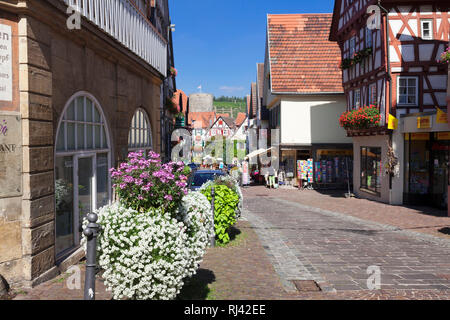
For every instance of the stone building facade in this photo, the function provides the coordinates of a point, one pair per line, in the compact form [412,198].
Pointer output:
[72,104]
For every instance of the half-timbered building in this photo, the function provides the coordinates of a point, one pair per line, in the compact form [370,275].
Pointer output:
[390,52]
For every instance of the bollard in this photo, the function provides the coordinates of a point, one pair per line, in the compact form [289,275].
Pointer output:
[91,233]
[213,236]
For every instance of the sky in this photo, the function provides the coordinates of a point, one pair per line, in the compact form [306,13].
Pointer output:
[217,43]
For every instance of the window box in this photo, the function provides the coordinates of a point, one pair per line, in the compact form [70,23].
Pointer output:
[361,118]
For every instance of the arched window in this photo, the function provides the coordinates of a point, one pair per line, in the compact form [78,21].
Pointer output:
[140,135]
[82,163]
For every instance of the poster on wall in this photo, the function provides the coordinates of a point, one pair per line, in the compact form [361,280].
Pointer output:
[10,156]
[6,78]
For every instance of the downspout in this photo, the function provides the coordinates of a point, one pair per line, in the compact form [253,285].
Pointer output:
[389,78]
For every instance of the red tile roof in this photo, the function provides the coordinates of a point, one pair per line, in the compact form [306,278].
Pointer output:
[302,59]
[240,119]
[205,118]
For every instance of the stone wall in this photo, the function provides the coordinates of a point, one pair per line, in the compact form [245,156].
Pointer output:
[53,64]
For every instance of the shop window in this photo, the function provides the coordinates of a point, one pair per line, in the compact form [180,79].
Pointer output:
[140,135]
[407,91]
[426,168]
[371,169]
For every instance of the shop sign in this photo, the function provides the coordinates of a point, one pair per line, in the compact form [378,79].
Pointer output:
[424,122]
[5,63]
[418,136]
[334,152]
[443,136]
[441,116]
[10,156]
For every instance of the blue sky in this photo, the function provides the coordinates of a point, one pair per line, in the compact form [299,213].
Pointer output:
[217,43]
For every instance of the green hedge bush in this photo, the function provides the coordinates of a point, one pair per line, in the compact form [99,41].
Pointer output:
[225,206]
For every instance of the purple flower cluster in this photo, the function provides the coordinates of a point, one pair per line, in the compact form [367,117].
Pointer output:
[144,182]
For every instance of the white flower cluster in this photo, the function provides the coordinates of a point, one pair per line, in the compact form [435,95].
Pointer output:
[147,255]
[196,213]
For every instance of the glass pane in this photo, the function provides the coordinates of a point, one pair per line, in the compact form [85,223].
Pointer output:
[80,109]
[402,82]
[89,111]
[64,203]
[104,141]
[70,113]
[70,136]
[96,115]
[97,137]
[60,139]
[402,99]
[90,136]
[102,180]
[419,166]
[411,82]
[133,137]
[80,136]
[412,99]
[84,187]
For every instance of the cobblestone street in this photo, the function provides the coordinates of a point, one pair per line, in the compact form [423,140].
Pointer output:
[335,249]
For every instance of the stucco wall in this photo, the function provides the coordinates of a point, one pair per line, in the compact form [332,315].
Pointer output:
[312,119]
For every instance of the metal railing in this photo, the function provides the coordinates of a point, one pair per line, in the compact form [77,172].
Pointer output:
[122,20]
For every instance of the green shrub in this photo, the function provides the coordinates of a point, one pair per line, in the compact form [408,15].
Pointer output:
[226,202]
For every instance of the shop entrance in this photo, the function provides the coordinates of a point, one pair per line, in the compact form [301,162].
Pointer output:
[426,170]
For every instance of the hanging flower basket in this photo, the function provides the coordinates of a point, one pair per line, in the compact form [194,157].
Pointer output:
[173,71]
[362,118]
[172,107]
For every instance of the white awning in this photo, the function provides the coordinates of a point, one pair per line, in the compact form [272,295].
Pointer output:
[258,152]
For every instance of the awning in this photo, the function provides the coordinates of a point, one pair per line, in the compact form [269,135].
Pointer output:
[258,152]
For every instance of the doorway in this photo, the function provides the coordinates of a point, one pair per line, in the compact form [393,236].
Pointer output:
[82,163]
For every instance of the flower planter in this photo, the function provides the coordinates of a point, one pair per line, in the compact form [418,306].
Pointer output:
[360,119]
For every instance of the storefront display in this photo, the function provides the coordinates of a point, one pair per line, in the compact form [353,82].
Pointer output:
[371,169]
[333,167]
[426,168]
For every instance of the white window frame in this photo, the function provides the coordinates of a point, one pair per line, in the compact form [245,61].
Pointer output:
[407,78]
[422,22]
